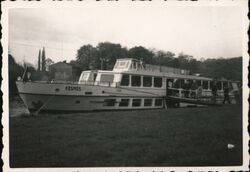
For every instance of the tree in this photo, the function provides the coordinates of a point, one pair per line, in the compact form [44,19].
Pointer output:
[193,66]
[141,53]
[184,60]
[76,70]
[15,70]
[230,68]
[86,56]
[43,60]
[164,58]
[107,53]
[48,62]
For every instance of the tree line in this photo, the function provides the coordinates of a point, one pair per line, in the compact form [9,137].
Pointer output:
[104,56]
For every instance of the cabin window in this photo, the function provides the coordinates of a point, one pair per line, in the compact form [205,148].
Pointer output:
[109,102]
[194,84]
[84,76]
[125,80]
[106,79]
[170,83]
[157,82]
[92,77]
[176,83]
[212,83]
[198,83]
[158,102]
[147,81]
[230,86]
[124,103]
[136,81]
[121,65]
[234,86]
[182,83]
[186,85]
[136,102]
[205,85]
[147,102]
[225,84]
[219,85]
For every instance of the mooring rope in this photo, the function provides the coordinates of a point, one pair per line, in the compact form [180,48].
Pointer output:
[35,113]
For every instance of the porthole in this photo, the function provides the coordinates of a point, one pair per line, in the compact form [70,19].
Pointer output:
[77,101]
[88,93]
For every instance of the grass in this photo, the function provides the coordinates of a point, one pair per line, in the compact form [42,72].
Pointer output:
[173,137]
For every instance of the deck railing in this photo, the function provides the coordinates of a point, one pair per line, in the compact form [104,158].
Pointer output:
[91,83]
[195,94]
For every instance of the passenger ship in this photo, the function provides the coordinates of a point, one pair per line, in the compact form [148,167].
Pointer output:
[130,85]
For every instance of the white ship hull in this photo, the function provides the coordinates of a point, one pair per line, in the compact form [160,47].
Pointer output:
[77,97]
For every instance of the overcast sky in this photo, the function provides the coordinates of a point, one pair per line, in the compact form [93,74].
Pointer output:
[207,32]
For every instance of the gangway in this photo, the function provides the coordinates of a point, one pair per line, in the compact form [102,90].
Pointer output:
[177,96]
[194,101]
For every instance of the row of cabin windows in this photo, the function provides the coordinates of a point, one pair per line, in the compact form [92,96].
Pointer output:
[135,102]
[194,84]
[145,81]
[148,81]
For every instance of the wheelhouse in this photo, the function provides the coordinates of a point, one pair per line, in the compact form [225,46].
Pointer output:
[88,77]
[128,65]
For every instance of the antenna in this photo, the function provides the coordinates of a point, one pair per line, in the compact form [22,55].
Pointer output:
[62,50]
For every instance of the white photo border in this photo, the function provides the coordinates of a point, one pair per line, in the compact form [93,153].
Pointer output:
[55,4]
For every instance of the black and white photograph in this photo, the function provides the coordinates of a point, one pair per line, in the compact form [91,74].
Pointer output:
[125,86]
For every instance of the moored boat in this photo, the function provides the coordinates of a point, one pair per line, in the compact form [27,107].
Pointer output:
[130,85]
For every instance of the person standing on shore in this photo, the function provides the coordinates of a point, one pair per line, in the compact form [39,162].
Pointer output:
[199,92]
[214,92]
[226,95]
[186,88]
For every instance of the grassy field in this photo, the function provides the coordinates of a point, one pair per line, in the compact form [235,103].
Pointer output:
[173,137]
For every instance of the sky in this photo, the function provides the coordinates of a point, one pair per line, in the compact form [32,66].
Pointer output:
[202,32]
